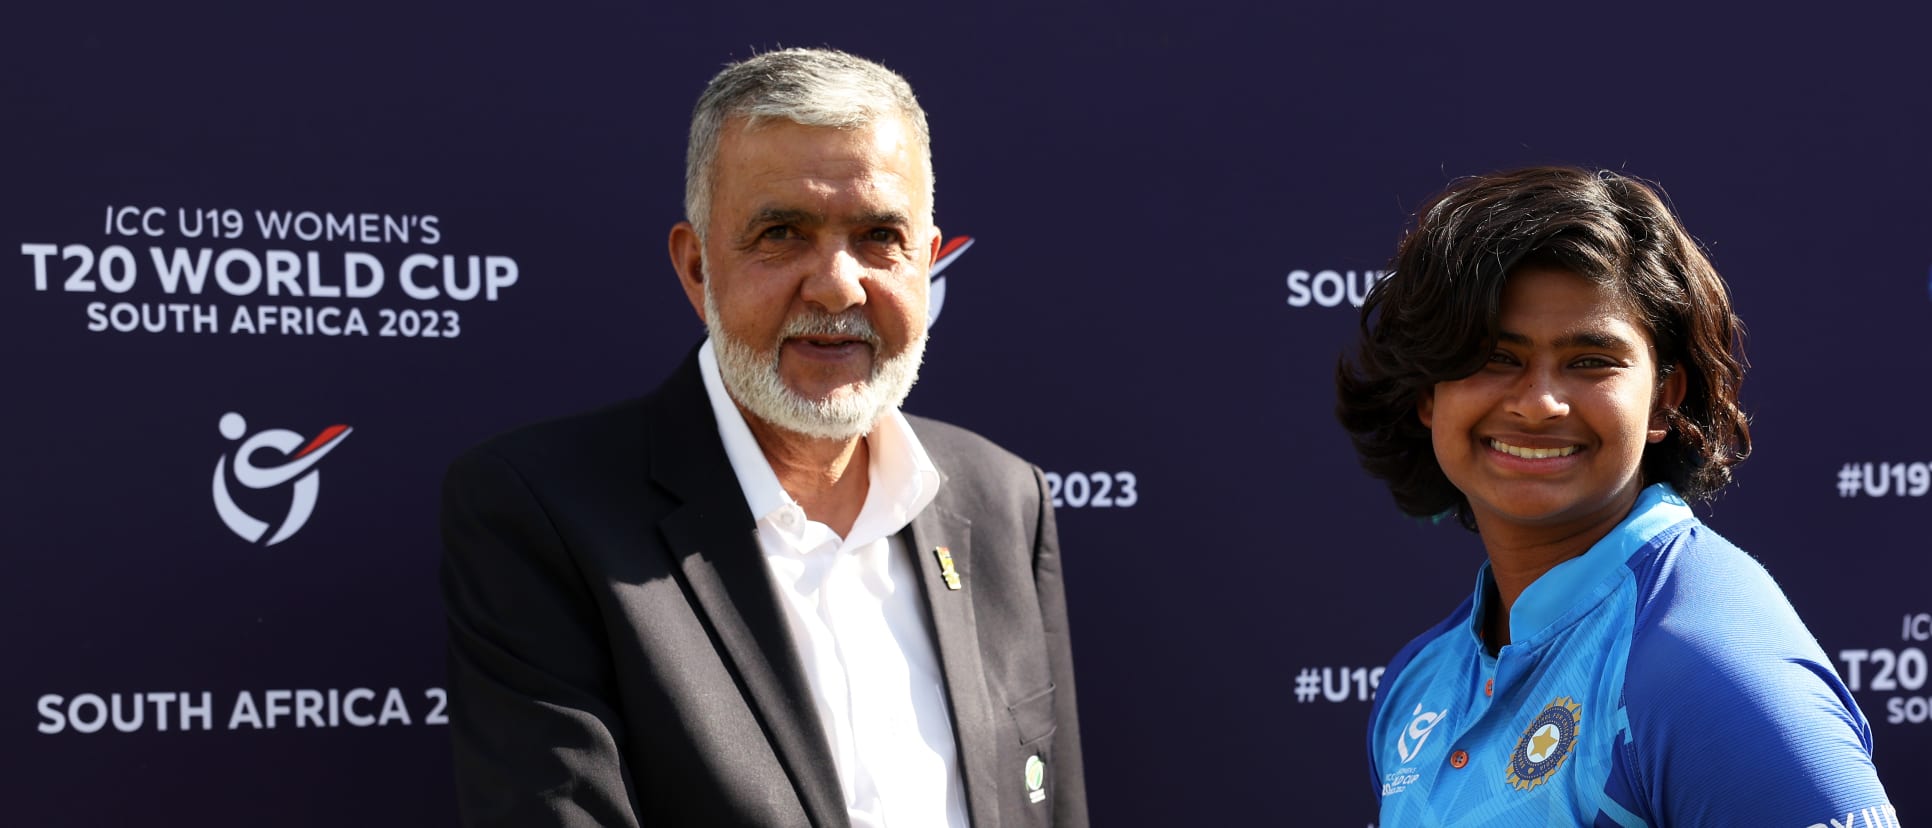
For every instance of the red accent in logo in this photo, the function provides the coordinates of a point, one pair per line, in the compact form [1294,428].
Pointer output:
[953,244]
[321,439]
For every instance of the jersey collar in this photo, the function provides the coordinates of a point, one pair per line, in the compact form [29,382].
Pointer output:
[1580,582]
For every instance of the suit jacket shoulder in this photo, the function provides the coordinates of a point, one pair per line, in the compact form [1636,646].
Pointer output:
[981,478]
[578,454]
[945,439]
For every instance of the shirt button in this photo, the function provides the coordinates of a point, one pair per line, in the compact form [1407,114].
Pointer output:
[1489,687]
[1459,759]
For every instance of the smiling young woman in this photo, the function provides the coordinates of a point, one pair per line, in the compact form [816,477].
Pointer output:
[1545,441]
[1553,363]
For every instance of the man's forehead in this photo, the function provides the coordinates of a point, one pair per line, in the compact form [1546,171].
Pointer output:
[778,164]
[887,143]
[893,126]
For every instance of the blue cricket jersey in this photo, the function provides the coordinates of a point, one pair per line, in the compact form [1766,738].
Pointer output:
[1660,679]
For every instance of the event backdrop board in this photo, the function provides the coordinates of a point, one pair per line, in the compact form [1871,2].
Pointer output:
[432,223]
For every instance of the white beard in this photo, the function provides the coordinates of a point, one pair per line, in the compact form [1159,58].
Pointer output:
[752,377]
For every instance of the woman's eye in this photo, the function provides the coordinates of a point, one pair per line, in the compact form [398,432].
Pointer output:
[1593,362]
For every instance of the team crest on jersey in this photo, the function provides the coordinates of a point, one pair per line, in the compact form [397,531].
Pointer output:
[1545,744]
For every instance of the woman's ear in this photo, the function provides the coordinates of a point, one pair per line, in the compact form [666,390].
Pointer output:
[1670,395]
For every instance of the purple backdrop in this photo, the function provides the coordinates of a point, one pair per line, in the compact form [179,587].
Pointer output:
[1172,208]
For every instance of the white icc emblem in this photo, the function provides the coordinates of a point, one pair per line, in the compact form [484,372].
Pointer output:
[301,460]
[1419,728]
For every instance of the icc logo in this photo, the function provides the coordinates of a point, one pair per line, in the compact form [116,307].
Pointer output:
[1419,729]
[936,298]
[298,466]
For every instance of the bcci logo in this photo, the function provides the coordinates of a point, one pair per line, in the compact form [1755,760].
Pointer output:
[1545,744]
[298,465]
[936,297]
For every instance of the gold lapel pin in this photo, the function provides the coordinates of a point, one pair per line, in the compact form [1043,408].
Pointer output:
[946,569]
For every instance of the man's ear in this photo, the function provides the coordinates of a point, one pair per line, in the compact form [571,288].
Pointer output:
[1425,407]
[1670,395]
[932,250]
[687,258]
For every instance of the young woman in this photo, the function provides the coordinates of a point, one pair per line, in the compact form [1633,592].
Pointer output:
[1553,363]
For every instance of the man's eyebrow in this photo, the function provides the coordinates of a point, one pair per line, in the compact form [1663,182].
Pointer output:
[1585,339]
[806,218]
[889,218]
[782,215]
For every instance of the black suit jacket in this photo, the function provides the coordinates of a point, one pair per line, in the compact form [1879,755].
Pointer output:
[617,655]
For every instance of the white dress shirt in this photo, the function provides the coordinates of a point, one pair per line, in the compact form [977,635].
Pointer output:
[855,609]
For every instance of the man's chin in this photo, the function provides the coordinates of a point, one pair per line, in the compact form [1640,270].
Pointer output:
[822,397]
[820,383]
[845,413]
[827,428]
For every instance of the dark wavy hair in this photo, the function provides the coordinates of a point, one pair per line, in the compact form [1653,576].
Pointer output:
[1434,319]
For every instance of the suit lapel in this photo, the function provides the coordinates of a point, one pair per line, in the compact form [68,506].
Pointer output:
[958,635]
[714,539]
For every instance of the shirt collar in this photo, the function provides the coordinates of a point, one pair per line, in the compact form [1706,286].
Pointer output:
[904,480]
[903,477]
[1577,580]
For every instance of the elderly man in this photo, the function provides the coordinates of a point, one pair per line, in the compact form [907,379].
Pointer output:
[762,595]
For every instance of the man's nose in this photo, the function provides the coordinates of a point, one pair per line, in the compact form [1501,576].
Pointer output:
[835,281]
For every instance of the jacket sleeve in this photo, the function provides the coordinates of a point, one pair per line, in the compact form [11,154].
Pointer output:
[1069,779]
[536,739]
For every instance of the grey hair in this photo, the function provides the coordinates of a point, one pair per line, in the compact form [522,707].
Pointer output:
[812,87]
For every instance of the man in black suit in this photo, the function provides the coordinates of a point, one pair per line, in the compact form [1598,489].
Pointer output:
[762,595]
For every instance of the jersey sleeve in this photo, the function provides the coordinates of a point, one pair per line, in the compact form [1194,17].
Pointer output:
[1735,715]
